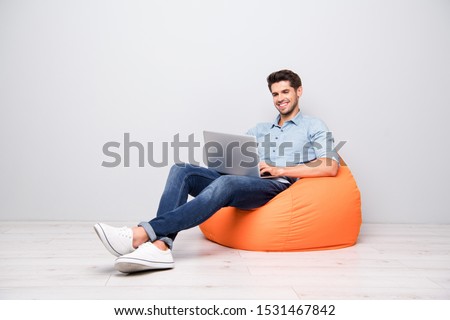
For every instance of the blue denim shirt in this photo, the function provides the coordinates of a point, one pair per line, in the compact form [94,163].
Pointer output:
[299,140]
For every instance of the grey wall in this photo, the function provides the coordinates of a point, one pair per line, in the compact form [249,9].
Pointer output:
[77,74]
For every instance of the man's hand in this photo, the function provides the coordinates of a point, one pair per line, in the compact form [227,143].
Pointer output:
[322,167]
[265,170]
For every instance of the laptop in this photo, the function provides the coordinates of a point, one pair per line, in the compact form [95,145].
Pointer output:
[232,154]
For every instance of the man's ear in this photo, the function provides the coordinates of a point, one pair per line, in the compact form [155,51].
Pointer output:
[299,91]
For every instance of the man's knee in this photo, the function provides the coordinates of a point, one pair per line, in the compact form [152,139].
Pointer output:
[181,166]
[182,169]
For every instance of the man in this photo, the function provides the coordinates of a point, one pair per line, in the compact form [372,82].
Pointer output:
[294,146]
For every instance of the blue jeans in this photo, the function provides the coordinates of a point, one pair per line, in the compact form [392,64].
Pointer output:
[211,191]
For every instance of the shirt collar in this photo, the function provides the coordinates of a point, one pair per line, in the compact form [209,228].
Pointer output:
[296,120]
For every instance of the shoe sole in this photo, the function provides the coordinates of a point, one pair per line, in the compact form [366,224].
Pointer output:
[104,239]
[130,265]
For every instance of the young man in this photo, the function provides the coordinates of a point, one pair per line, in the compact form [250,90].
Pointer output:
[293,146]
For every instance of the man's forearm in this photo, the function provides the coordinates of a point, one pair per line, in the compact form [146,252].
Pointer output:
[323,167]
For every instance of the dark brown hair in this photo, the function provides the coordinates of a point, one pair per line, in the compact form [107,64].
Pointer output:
[284,75]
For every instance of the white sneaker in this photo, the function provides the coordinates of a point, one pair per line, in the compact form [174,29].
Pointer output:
[118,241]
[146,257]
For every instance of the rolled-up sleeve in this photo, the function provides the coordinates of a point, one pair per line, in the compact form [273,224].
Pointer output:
[251,132]
[322,141]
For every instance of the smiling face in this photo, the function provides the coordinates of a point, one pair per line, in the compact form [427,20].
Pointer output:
[285,99]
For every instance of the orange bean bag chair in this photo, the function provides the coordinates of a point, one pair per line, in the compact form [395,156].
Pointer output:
[313,214]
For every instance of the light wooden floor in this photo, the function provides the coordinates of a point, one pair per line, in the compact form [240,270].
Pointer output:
[65,260]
